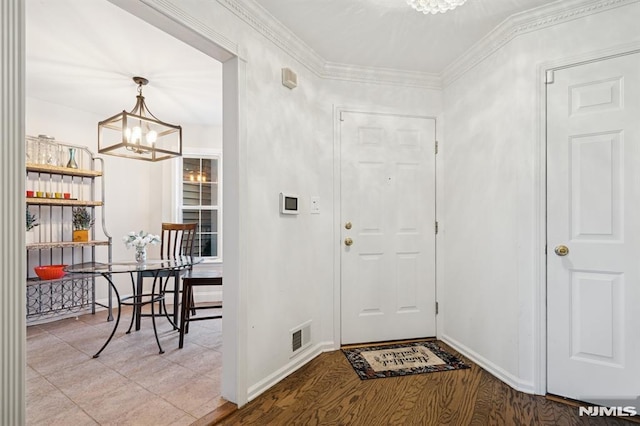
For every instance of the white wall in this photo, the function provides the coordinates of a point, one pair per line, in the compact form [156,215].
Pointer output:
[290,259]
[490,206]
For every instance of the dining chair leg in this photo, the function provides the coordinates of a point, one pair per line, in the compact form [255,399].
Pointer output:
[189,281]
[153,314]
[176,300]
[184,312]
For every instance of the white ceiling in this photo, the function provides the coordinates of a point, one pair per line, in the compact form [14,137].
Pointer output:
[83,53]
[389,33]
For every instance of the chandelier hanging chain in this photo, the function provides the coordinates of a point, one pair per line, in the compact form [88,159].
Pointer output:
[141,107]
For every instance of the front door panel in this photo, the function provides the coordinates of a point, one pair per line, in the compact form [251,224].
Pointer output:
[388,197]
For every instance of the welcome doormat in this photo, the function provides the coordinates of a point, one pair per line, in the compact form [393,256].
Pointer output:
[374,362]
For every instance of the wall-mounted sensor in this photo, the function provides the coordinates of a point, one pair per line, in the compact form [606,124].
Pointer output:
[289,78]
[289,203]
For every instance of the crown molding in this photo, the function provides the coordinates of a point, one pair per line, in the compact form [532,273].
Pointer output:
[523,23]
[264,23]
[258,18]
[394,77]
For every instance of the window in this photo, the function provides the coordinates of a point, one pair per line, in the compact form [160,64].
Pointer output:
[200,202]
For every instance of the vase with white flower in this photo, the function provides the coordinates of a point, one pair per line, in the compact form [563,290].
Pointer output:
[140,240]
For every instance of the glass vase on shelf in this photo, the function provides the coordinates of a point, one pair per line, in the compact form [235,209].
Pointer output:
[48,150]
[72,159]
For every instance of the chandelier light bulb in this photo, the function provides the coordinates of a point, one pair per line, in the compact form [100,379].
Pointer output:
[435,6]
[136,134]
[152,137]
[132,135]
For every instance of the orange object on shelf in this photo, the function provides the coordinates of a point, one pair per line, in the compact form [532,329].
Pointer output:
[81,235]
[50,272]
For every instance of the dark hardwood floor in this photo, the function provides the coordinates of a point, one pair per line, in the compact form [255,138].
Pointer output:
[328,392]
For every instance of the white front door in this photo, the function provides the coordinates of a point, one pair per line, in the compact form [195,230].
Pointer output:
[388,213]
[593,206]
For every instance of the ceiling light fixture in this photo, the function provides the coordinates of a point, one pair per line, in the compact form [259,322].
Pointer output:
[139,134]
[434,6]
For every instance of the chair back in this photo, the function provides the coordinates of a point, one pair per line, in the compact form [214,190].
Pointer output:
[177,239]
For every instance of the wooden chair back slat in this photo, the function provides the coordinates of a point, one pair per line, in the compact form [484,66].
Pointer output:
[177,239]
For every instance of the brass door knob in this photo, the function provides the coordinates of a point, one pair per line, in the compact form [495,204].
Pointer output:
[347,225]
[348,241]
[561,250]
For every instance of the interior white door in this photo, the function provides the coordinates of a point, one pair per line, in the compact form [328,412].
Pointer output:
[388,217]
[593,190]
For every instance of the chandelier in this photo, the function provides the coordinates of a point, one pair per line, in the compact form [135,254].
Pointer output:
[434,6]
[139,134]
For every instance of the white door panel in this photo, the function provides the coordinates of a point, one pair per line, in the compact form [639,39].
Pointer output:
[388,196]
[593,190]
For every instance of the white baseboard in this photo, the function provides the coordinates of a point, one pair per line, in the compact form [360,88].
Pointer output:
[496,371]
[295,363]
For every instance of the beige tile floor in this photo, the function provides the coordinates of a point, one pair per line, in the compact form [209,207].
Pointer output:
[130,383]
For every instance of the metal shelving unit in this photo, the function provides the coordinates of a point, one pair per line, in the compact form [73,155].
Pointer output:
[73,293]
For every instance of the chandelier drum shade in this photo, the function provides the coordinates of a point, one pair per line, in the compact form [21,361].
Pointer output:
[435,6]
[138,134]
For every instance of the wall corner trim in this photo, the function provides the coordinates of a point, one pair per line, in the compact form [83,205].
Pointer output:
[297,362]
[12,235]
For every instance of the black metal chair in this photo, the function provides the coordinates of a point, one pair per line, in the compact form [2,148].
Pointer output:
[191,279]
[177,239]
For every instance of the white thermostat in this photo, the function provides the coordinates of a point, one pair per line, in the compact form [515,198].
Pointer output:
[289,203]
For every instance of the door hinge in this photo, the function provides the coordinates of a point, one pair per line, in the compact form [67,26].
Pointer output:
[341,117]
[436,148]
[437,308]
[549,77]
[436,226]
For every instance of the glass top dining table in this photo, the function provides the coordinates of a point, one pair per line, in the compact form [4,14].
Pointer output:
[151,267]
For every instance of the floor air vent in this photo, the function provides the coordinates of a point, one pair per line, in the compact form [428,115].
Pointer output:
[296,341]
[300,337]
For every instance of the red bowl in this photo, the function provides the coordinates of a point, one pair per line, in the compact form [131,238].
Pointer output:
[50,272]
